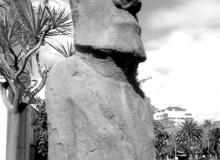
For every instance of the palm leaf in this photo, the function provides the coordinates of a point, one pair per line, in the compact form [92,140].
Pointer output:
[60,21]
[189,135]
[2,5]
[30,72]
[26,14]
[65,51]
[7,3]
[35,22]
[9,33]
[41,19]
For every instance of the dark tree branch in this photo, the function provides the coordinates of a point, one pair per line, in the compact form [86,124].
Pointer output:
[38,65]
[40,86]
[21,52]
[30,97]
[29,54]
[15,58]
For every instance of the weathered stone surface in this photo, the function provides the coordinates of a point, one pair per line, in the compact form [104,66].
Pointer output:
[94,117]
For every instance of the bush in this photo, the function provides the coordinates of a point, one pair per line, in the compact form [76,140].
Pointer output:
[40,127]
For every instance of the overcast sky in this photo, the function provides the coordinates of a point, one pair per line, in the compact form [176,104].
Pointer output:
[182,42]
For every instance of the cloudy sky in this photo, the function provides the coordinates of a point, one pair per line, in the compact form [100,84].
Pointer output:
[182,41]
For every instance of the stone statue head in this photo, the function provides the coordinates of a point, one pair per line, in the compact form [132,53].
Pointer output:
[110,26]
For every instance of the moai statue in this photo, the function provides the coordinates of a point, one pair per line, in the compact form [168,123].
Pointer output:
[96,110]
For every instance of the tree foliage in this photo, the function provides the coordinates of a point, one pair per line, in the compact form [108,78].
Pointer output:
[23,30]
[189,137]
[40,127]
[214,135]
[161,140]
[22,35]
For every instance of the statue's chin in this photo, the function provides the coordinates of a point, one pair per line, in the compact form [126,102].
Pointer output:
[128,50]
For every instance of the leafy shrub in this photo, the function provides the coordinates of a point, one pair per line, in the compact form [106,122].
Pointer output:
[40,127]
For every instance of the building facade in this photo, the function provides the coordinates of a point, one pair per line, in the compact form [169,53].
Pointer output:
[216,124]
[173,113]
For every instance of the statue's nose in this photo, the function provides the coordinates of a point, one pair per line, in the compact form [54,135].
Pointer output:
[132,6]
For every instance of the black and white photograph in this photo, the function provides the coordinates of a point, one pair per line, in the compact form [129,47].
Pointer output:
[110,79]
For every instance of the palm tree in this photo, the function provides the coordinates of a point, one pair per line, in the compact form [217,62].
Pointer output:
[189,137]
[208,123]
[21,36]
[207,129]
[213,135]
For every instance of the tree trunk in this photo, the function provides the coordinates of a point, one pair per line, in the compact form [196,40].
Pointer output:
[13,127]
[12,135]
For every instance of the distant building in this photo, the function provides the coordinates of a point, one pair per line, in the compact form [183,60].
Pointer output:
[216,124]
[173,113]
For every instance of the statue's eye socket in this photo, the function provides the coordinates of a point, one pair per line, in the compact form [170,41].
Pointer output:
[133,6]
[117,3]
[124,2]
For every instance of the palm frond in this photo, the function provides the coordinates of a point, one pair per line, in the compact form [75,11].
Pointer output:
[41,19]
[190,134]
[7,3]
[9,32]
[26,15]
[65,51]
[2,5]
[36,21]
[60,21]
[30,72]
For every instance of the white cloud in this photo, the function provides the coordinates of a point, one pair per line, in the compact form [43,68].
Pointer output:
[192,58]
[193,13]
[53,3]
[184,64]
